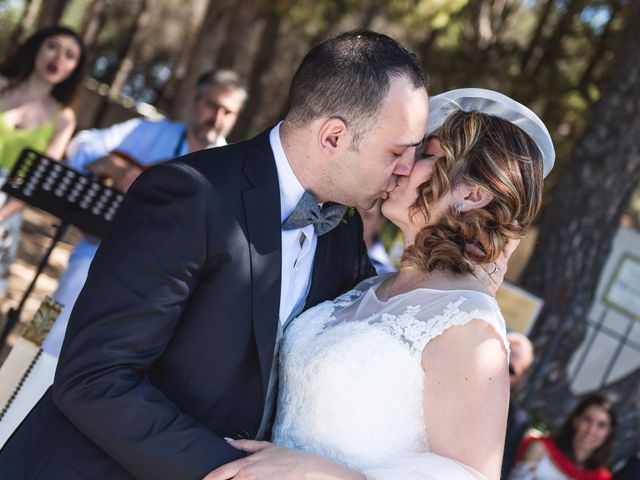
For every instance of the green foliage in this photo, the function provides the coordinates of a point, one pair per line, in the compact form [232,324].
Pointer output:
[419,15]
[10,13]
[634,208]
[392,239]
[541,422]
[74,14]
[312,15]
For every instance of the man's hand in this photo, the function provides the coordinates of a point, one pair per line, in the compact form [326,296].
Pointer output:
[117,170]
[127,178]
[491,275]
[10,207]
[271,462]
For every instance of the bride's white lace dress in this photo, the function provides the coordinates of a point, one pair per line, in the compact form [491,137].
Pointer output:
[352,383]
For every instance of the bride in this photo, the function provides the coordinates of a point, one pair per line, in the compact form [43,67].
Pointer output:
[405,376]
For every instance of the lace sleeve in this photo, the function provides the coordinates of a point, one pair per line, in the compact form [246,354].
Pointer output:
[423,315]
[459,310]
[423,466]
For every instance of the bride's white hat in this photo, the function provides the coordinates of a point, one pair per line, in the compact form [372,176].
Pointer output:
[499,105]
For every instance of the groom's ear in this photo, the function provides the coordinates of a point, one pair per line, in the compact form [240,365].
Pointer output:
[333,135]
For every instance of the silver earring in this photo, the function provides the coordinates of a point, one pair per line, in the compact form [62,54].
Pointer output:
[458,207]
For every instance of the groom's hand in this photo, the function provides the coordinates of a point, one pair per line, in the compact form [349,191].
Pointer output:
[491,275]
[271,462]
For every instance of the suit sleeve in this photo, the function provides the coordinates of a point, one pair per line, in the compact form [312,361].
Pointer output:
[137,289]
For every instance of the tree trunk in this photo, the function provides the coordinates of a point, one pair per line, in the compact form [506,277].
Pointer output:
[132,49]
[369,15]
[263,59]
[425,47]
[598,53]
[50,13]
[242,15]
[537,34]
[202,57]
[29,15]
[332,12]
[484,26]
[552,47]
[502,11]
[179,68]
[93,21]
[578,226]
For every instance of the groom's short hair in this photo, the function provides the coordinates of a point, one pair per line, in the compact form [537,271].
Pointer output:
[349,76]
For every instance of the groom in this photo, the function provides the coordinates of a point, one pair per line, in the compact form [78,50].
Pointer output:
[172,345]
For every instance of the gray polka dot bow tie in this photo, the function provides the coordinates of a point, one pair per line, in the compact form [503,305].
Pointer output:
[308,212]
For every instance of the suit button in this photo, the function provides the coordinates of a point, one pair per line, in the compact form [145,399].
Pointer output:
[242,435]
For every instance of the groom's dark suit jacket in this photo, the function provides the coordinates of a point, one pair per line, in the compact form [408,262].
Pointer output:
[170,345]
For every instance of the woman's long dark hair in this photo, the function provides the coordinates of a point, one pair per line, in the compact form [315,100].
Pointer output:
[563,438]
[20,63]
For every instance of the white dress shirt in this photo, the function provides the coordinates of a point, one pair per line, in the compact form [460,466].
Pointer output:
[299,245]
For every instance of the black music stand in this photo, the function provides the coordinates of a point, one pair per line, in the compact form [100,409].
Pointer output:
[75,197]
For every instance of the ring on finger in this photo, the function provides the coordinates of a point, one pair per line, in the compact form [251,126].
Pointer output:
[495,270]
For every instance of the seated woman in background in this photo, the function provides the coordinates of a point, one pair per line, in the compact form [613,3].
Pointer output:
[580,449]
[37,83]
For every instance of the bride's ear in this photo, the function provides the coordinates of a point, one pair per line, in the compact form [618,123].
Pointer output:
[471,197]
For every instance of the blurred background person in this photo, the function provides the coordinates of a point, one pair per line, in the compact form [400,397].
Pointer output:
[520,359]
[372,223]
[38,81]
[121,152]
[580,449]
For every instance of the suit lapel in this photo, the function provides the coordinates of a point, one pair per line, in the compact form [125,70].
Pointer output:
[262,211]
[322,271]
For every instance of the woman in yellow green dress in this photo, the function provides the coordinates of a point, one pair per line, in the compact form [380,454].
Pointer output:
[37,83]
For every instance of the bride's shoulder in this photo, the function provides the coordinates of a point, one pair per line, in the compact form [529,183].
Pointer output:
[484,307]
[481,301]
[475,313]
[456,305]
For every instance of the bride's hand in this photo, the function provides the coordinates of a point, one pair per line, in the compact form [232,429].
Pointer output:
[491,275]
[272,462]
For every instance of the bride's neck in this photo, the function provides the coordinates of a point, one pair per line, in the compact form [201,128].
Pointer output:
[409,278]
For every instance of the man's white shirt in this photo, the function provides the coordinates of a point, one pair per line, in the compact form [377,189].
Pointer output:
[299,245]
